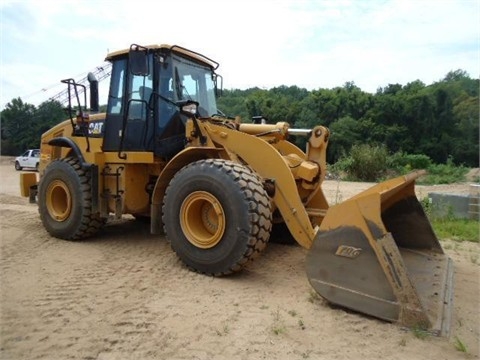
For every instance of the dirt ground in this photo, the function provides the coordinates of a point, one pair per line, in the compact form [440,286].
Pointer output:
[125,295]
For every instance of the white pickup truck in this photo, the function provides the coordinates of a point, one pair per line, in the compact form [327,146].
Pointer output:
[29,159]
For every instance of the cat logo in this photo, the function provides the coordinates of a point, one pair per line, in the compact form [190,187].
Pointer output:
[95,128]
[348,251]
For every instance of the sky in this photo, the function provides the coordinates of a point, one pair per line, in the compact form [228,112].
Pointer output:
[259,43]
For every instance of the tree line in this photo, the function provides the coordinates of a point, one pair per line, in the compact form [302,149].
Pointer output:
[440,120]
[23,124]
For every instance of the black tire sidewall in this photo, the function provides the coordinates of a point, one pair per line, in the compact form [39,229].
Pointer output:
[17,166]
[233,245]
[61,170]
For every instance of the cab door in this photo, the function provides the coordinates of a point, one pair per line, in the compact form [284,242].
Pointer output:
[115,106]
[129,118]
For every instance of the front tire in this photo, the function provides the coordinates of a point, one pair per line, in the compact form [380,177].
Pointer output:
[17,166]
[65,201]
[217,216]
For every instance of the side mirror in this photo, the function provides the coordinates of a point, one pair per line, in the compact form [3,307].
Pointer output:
[188,107]
[138,60]
[218,87]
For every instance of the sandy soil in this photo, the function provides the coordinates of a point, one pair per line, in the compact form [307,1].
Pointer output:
[125,295]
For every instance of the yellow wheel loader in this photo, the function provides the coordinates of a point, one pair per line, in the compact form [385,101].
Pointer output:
[214,186]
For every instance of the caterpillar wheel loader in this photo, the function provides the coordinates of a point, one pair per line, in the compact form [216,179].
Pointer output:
[214,186]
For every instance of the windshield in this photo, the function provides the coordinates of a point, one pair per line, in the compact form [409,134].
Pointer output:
[194,82]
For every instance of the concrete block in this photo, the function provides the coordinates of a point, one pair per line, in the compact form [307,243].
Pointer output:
[474,204]
[449,205]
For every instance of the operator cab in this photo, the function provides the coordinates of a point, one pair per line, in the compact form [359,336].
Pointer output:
[148,87]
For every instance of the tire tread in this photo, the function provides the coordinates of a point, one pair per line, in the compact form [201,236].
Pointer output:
[255,196]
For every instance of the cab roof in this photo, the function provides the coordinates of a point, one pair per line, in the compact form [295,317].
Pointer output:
[175,48]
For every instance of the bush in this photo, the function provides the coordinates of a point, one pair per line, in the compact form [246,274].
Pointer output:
[372,163]
[404,163]
[444,174]
[366,162]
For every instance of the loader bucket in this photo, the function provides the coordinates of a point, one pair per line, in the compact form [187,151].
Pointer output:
[377,254]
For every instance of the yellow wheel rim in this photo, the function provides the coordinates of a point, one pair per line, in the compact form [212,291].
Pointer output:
[58,200]
[202,219]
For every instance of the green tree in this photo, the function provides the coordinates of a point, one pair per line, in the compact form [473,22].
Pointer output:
[233,103]
[23,124]
[345,133]
[48,114]
[439,120]
[18,128]
[466,128]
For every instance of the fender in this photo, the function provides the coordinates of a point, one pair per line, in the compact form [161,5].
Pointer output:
[92,168]
[69,143]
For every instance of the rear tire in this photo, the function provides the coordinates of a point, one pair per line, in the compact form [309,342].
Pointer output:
[65,201]
[217,216]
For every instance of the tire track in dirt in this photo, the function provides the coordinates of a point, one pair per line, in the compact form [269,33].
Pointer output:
[108,272]
[127,288]
[125,295]
[20,222]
